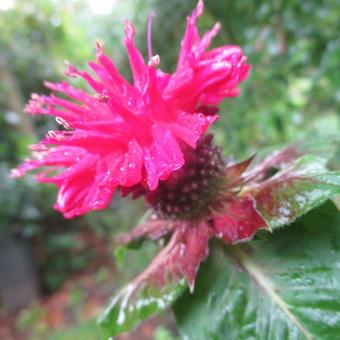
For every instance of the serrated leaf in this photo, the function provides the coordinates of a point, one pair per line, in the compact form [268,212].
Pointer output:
[134,304]
[283,201]
[282,286]
[149,293]
[160,284]
[294,190]
[288,182]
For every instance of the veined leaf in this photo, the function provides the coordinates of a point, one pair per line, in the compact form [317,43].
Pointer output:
[171,271]
[282,200]
[135,303]
[287,183]
[280,286]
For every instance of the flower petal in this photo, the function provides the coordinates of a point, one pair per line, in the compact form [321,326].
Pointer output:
[138,66]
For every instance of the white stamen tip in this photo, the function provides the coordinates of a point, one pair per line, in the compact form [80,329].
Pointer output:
[154,61]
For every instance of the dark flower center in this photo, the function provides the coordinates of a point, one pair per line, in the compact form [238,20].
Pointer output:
[190,192]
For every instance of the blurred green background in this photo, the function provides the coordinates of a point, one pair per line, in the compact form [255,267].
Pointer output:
[292,93]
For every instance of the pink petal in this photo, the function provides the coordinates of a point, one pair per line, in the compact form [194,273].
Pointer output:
[162,157]
[139,69]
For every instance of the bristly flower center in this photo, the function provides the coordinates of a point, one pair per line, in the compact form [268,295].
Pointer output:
[190,193]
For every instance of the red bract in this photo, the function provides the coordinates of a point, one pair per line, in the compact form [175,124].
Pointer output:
[205,77]
[204,199]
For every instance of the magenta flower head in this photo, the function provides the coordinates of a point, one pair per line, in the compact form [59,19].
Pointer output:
[124,136]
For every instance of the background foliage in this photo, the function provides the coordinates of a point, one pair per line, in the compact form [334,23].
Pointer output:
[293,92]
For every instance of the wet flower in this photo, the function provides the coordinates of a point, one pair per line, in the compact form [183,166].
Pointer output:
[149,138]
[118,136]
[130,136]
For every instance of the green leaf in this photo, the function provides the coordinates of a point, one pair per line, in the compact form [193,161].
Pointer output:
[286,183]
[137,302]
[283,202]
[280,286]
[295,191]
[151,292]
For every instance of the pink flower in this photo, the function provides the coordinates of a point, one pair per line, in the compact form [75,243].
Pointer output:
[204,77]
[130,136]
[119,136]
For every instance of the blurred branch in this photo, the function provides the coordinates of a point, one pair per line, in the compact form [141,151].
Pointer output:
[14,98]
[279,8]
[281,35]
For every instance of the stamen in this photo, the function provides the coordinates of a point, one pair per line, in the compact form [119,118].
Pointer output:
[63,122]
[149,38]
[52,134]
[154,61]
